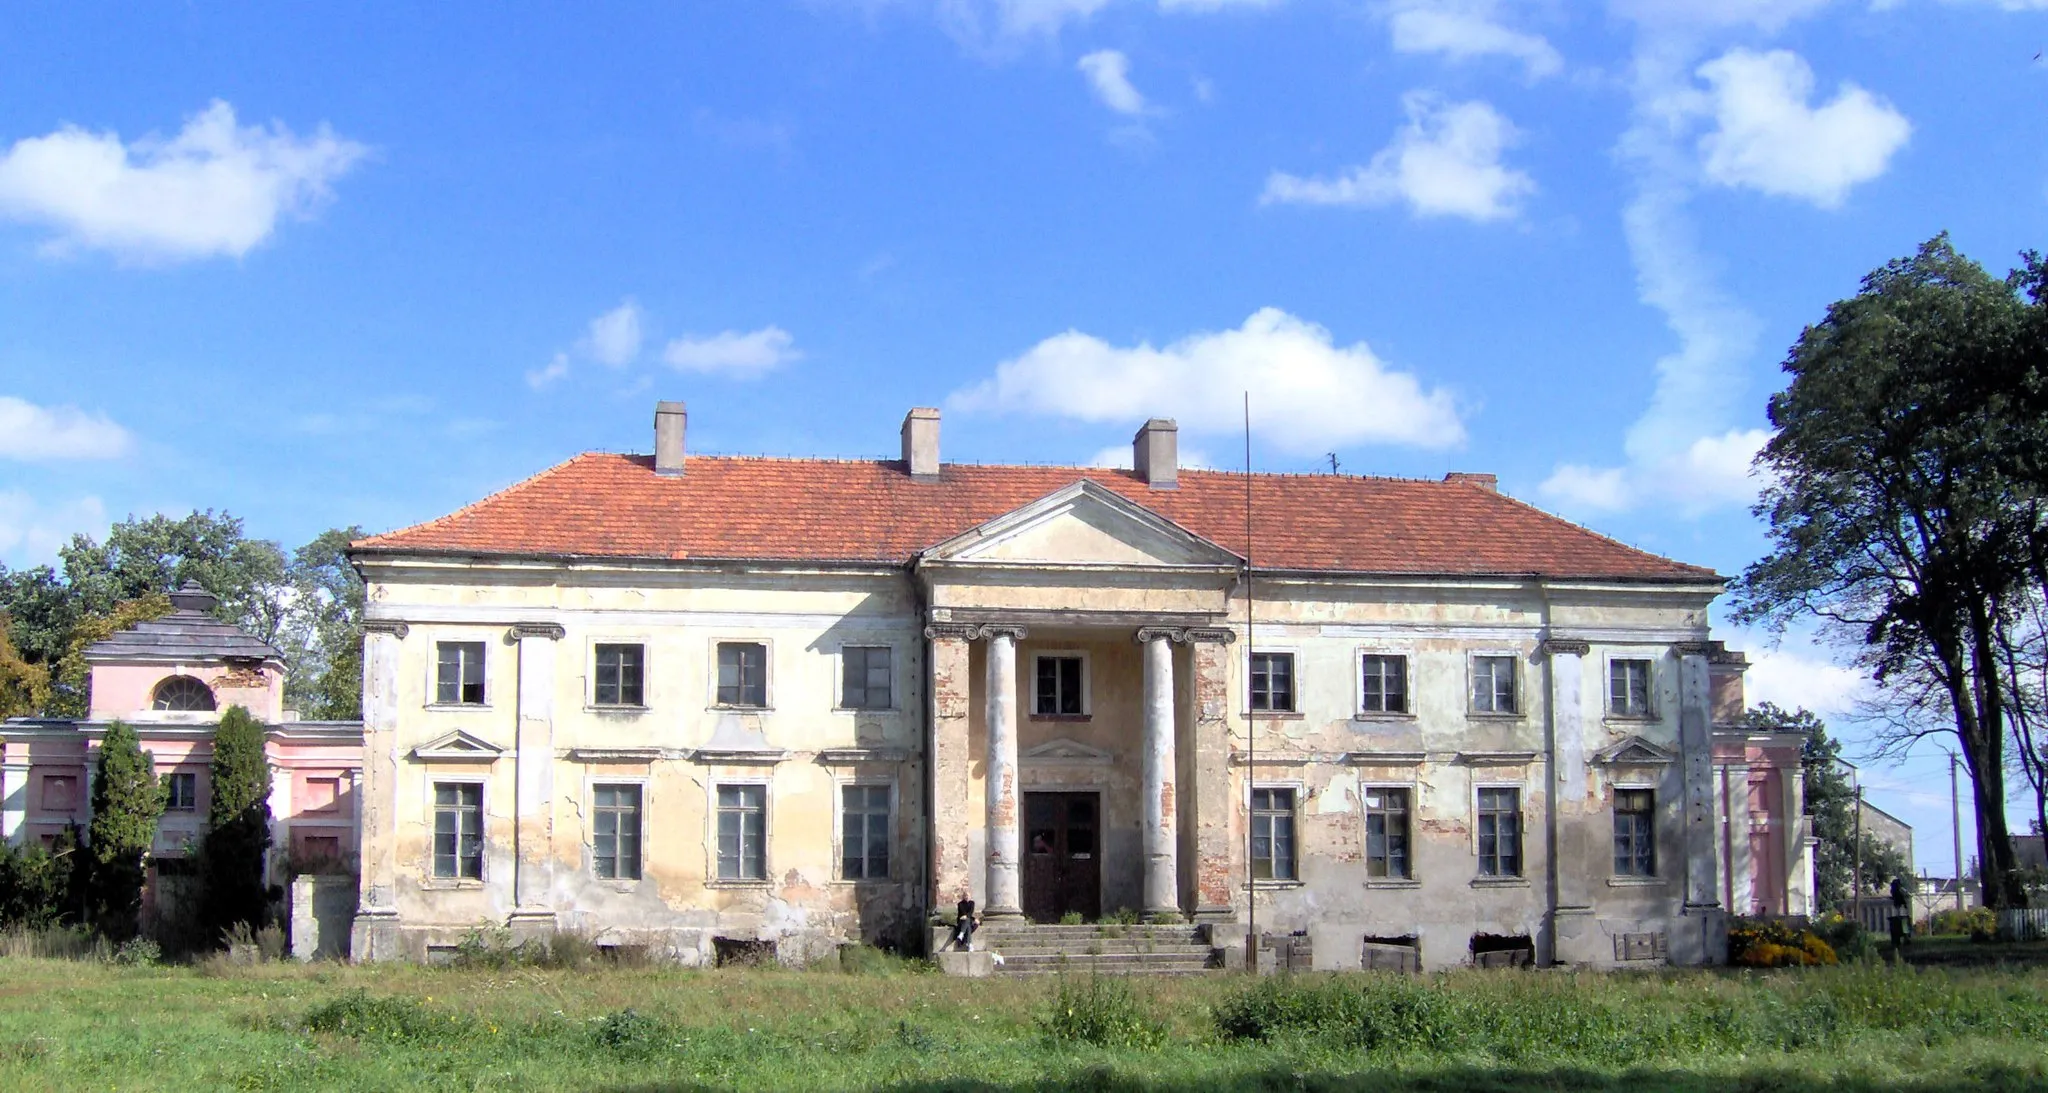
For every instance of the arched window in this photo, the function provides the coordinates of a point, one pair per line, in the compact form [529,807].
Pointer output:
[183,693]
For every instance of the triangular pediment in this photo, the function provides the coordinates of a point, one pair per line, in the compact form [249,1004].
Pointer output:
[1636,752]
[457,747]
[1085,524]
[1064,752]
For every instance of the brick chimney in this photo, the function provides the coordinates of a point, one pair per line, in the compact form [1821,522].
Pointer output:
[1155,453]
[669,418]
[921,444]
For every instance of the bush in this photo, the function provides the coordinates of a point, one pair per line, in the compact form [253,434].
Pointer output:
[35,884]
[630,1032]
[1105,1012]
[238,835]
[359,1016]
[126,802]
[139,952]
[1970,920]
[1768,944]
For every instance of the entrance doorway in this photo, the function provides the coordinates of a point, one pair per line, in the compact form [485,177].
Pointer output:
[1062,855]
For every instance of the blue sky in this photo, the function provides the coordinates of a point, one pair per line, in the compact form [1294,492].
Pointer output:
[364,269]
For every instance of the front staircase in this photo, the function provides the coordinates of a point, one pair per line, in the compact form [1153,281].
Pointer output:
[1031,949]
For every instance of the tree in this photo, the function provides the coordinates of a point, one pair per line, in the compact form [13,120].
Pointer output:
[239,833]
[127,801]
[1894,517]
[1831,804]
[24,687]
[325,638]
[70,693]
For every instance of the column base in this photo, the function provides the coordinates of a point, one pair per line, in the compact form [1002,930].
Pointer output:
[374,937]
[1003,913]
[1215,914]
[530,923]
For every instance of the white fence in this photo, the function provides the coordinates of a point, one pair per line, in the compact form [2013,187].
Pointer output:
[2023,925]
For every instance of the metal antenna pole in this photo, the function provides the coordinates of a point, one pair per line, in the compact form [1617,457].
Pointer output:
[1251,724]
[1857,853]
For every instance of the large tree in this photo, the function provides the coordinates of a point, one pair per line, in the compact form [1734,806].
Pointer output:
[324,639]
[1894,517]
[127,801]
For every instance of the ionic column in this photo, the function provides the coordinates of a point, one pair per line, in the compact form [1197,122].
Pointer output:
[1162,861]
[1004,887]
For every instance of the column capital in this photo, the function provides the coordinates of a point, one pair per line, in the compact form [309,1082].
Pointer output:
[550,630]
[1693,648]
[1560,646]
[1160,633]
[393,627]
[1000,630]
[950,631]
[1210,635]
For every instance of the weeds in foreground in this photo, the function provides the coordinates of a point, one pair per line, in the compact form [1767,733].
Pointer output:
[1102,1010]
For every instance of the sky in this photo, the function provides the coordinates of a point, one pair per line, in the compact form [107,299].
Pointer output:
[362,267]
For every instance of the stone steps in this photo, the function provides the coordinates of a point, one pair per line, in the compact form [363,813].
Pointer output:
[1029,949]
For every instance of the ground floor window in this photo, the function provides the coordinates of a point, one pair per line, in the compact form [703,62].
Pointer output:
[1386,833]
[742,832]
[459,830]
[615,835]
[1273,834]
[1500,832]
[1635,842]
[864,824]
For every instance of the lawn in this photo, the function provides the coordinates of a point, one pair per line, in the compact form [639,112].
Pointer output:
[100,1026]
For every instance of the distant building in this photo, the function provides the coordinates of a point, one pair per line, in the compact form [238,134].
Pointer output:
[1889,830]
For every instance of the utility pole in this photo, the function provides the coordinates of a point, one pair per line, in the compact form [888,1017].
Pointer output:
[1856,855]
[1955,825]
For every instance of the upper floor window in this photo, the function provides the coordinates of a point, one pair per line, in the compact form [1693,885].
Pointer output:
[181,791]
[459,830]
[742,673]
[1059,687]
[1500,832]
[459,673]
[1273,682]
[1635,841]
[1493,684]
[615,832]
[1273,834]
[865,677]
[1628,688]
[1385,684]
[620,675]
[182,693]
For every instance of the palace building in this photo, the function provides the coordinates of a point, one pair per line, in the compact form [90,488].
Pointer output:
[713,704]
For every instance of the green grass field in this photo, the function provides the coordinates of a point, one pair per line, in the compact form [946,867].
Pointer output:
[97,1026]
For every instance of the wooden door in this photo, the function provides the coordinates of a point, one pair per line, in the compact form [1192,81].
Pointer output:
[1062,855]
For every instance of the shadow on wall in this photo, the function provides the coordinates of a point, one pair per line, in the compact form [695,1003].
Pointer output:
[1101,1079]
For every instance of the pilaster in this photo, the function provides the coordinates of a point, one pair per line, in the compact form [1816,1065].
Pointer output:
[1573,856]
[375,933]
[1702,880]
[951,687]
[533,764]
[1214,801]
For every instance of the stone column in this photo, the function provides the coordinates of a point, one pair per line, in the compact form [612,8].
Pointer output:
[1005,884]
[374,935]
[13,801]
[533,765]
[952,879]
[1162,835]
[1574,859]
[1215,802]
[1695,737]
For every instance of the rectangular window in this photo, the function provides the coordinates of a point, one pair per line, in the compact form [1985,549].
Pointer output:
[866,678]
[459,830]
[1385,687]
[742,832]
[1635,833]
[1386,833]
[459,673]
[181,791]
[864,825]
[621,671]
[1500,832]
[615,832]
[1493,684]
[1273,834]
[1059,687]
[1273,682]
[1628,688]
[742,673]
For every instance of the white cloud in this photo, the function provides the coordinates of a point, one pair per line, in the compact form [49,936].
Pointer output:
[1768,138]
[1682,16]
[614,338]
[1708,473]
[1308,394]
[1108,73]
[1465,29]
[981,22]
[1444,162]
[1792,679]
[538,378]
[217,188]
[1119,457]
[731,353]
[32,432]
[30,533]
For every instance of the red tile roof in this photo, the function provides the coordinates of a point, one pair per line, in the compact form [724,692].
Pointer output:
[746,508]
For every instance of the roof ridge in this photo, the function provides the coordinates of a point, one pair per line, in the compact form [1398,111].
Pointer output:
[1576,526]
[880,460]
[478,503]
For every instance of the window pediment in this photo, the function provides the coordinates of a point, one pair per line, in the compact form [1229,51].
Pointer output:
[1635,752]
[457,747]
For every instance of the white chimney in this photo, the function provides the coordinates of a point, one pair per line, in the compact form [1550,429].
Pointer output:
[921,444]
[669,418]
[1155,453]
